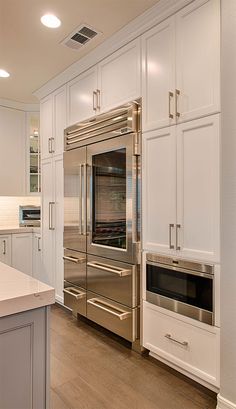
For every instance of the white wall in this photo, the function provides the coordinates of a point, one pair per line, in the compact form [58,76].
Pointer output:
[228,216]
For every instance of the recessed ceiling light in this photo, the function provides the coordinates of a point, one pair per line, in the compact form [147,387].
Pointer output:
[4,74]
[49,20]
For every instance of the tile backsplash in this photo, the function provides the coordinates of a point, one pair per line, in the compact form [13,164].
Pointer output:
[9,208]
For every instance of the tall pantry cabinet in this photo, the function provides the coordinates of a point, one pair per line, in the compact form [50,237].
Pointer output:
[53,123]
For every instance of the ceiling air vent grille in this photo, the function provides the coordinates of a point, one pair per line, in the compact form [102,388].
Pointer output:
[80,36]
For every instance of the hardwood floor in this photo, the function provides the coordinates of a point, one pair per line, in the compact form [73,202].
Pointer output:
[90,369]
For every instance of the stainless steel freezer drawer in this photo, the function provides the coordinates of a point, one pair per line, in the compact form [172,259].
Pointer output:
[75,298]
[75,267]
[113,279]
[115,317]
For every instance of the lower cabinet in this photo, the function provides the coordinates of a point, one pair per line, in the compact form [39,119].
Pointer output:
[22,252]
[5,249]
[24,346]
[192,349]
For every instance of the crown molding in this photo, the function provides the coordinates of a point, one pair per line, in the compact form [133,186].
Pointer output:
[7,103]
[159,12]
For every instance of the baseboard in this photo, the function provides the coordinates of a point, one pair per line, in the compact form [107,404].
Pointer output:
[223,403]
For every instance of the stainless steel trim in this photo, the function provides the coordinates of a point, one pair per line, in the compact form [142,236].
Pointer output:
[74,292]
[39,248]
[178,226]
[177,93]
[4,247]
[171,116]
[105,306]
[183,343]
[181,263]
[94,96]
[98,99]
[74,259]
[51,204]
[110,269]
[183,270]
[171,246]
[181,308]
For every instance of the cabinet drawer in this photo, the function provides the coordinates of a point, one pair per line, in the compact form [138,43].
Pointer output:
[117,318]
[75,298]
[190,347]
[75,267]
[114,280]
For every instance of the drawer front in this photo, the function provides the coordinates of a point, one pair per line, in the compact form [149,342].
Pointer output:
[75,267]
[75,298]
[115,317]
[190,347]
[114,280]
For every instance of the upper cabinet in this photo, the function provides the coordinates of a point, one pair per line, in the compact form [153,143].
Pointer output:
[181,66]
[112,82]
[53,123]
[33,165]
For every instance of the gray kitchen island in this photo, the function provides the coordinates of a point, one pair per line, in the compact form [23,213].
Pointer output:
[24,340]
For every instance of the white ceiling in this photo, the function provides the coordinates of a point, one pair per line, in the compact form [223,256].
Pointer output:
[33,54]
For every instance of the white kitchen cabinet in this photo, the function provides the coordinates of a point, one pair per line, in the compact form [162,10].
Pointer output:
[180,192]
[119,76]
[82,96]
[53,123]
[193,348]
[22,252]
[52,224]
[181,66]
[37,256]
[5,249]
[12,152]
[112,82]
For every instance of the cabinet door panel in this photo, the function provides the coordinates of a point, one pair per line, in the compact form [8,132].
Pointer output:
[46,125]
[5,249]
[158,75]
[198,178]
[119,76]
[80,96]
[59,109]
[159,190]
[22,252]
[198,59]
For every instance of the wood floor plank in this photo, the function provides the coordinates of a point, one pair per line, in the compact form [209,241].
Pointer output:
[92,370]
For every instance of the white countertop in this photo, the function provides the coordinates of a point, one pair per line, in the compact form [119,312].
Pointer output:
[20,292]
[17,229]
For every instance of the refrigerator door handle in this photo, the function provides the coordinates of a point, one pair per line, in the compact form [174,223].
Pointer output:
[83,199]
[80,199]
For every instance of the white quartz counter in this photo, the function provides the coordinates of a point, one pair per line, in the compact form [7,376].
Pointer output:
[20,292]
[17,229]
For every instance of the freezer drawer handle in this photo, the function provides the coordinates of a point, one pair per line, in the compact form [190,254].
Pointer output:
[74,259]
[184,343]
[74,292]
[111,269]
[121,314]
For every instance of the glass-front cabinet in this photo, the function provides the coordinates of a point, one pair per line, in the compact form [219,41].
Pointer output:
[34,171]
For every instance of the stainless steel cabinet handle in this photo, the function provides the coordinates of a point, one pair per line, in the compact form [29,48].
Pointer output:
[39,248]
[110,269]
[84,199]
[184,343]
[74,293]
[98,93]
[170,96]
[4,250]
[52,149]
[80,260]
[94,102]
[51,227]
[171,246]
[49,145]
[178,226]
[177,93]
[122,315]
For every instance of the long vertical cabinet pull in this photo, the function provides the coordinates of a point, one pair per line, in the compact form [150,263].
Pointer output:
[84,199]
[95,101]
[39,248]
[171,95]
[4,251]
[177,93]
[80,199]
[49,145]
[178,226]
[52,148]
[98,92]
[51,227]
[171,226]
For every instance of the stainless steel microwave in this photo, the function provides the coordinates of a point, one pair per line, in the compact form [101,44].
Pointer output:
[29,216]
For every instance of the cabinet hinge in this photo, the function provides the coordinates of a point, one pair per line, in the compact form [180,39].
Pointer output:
[137,144]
